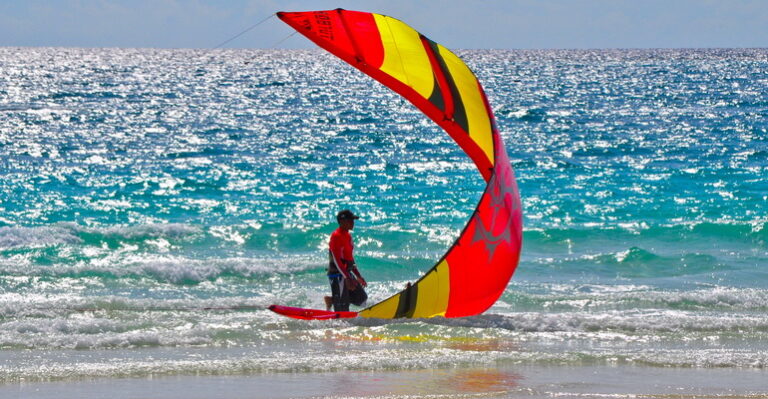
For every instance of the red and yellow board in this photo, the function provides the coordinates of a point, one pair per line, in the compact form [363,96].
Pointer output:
[310,314]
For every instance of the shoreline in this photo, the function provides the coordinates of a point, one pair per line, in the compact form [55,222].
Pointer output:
[504,381]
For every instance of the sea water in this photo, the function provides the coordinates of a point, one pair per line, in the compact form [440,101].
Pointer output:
[153,203]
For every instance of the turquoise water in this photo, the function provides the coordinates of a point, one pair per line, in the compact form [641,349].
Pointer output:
[154,202]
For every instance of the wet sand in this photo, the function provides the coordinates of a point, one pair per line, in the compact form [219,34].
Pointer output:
[508,381]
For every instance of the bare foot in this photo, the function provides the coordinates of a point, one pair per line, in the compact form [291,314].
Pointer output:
[328,302]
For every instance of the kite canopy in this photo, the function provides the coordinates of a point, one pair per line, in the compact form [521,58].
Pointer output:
[475,271]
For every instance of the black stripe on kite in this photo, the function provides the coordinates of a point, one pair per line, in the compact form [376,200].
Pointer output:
[436,98]
[459,113]
[407,304]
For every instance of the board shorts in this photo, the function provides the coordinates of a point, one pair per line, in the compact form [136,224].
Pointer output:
[342,297]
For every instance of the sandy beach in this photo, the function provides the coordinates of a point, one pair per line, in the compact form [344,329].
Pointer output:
[502,382]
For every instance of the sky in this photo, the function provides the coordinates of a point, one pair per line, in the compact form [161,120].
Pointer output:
[467,24]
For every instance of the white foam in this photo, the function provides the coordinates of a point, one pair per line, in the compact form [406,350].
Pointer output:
[37,237]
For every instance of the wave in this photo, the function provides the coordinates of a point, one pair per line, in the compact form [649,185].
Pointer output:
[30,107]
[35,237]
[526,297]
[693,233]
[89,95]
[12,237]
[708,251]
[635,264]
[641,321]
[116,268]
[182,253]
[261,342]
[209,317]
[190,254]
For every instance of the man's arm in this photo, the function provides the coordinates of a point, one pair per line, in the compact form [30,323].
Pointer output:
[359,276]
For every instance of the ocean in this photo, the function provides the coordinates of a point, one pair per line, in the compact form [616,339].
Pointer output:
[154,202]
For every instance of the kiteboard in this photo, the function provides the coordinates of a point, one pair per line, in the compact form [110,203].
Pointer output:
[310,314]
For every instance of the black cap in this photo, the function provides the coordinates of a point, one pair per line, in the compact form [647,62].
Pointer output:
[346,215]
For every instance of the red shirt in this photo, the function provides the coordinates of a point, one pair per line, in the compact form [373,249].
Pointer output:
[340,250]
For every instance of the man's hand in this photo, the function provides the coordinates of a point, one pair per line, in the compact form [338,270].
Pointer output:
[355,272]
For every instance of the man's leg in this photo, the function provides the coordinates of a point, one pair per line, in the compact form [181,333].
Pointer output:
[339,294]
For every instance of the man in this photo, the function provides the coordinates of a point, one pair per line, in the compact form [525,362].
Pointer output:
[346,281]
